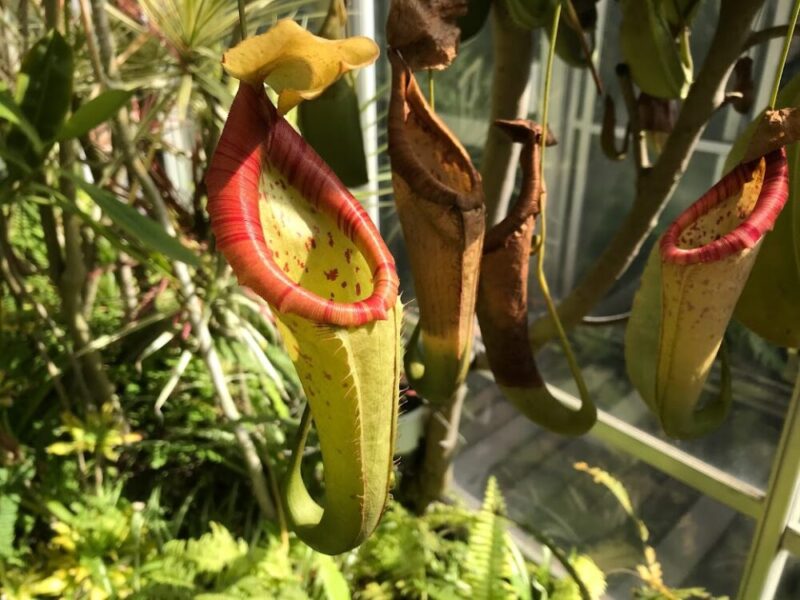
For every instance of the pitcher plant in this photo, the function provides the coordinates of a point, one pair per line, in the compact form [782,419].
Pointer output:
[292,232]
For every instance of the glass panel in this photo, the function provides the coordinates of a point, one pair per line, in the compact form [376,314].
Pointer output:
[745,443]
[789,587]
[698,541]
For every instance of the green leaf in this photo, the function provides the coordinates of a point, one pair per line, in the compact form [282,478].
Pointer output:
[331,123]
[142,228]
[11,112]
[476,17]
[93,113]
[44,93]
[13,160]
[53,196]
[9,505]
[330,579]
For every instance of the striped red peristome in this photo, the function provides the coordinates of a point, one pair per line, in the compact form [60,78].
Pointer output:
[255,132]
[771,199]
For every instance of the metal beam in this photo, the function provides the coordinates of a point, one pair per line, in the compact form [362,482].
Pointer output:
[363,20]
[791,540]
[766,559]
[708,479]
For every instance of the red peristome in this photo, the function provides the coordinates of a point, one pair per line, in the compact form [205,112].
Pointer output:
[771,199]
[255,132]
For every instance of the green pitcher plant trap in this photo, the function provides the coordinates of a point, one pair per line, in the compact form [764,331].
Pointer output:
[691,284]
[293,233]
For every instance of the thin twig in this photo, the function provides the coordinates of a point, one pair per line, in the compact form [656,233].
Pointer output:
[242,19]
[575,23]
[764,35]
[70,288]
[602,321]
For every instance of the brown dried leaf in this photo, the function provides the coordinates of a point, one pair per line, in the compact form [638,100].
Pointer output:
[425,31]
[777,128]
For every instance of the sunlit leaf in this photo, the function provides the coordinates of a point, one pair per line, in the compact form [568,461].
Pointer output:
[144,229]
[93,113]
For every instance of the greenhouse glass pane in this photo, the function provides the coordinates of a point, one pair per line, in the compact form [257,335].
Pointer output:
[698,541]
[789,587]
[745,442]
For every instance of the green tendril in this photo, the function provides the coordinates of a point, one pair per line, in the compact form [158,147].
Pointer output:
[551,308]
[787,42]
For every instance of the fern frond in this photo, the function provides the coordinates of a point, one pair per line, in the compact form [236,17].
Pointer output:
[489,562]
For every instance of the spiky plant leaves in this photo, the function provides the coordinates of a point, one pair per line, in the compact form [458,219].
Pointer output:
[44,94]
[490,563]
[9,509]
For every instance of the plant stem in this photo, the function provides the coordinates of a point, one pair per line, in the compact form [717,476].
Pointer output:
[242,19]
[764,35]
[654,186]
[441,442]
[192,302]
[640,156]
[787,42]
[67,269]
[513,55]
[574,22]
[548,78]
[70,286]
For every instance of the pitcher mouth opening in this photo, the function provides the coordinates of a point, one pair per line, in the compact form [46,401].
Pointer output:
[746,222]
[289,228]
